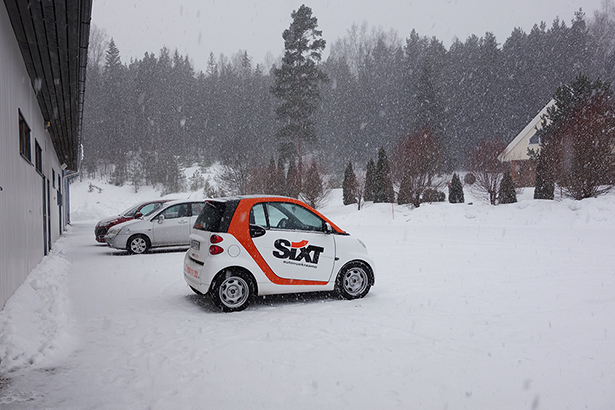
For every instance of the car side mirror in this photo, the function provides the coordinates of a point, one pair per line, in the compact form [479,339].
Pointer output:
[138,215]
[256,231]
[328,228]
[160,219]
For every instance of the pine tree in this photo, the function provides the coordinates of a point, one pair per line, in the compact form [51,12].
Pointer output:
[349,186]
[297,82]
[113,121]
[370,180]
[197,181]
[455,191]
[507,194]
[383,187]
[135,174]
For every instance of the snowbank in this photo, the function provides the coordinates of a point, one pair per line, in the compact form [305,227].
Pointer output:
[36,322]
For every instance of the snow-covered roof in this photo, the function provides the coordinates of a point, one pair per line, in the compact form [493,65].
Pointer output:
[517,149]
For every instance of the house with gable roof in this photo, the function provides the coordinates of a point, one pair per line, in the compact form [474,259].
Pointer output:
[522,168]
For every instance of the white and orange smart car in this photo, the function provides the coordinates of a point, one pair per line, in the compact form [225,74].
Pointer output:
[245,246]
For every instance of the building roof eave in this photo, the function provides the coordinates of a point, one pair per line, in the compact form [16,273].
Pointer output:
[53,38]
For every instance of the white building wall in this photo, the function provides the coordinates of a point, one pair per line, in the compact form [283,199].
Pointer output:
[22,244]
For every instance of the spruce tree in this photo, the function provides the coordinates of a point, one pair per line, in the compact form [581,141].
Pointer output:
[297,82]
[349,186]
[507,194]
[370,180]
[383,187]
[455,191]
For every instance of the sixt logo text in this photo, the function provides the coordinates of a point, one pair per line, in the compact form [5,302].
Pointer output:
[297,251]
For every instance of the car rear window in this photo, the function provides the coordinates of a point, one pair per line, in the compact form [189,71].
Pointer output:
[216,216]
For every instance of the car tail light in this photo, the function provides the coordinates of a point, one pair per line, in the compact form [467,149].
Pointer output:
[215,238]
[215,250]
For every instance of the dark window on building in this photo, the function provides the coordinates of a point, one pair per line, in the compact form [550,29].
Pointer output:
[53,174]
[24,138]
[534,139]
[38,157]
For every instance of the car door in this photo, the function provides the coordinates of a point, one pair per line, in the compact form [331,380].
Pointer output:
[294,244]
[172,226]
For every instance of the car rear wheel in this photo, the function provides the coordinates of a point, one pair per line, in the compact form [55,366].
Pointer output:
[232,291]
[137,244]
[353,281]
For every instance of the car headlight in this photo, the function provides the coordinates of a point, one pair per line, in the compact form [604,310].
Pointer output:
[114,231]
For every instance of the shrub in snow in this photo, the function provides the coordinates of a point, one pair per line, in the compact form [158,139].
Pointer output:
[507,194]
[455,191]
[469,178]
[544,188]
[433,195]
[487,168]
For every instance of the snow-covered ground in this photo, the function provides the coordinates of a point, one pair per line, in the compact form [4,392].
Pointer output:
[475,307]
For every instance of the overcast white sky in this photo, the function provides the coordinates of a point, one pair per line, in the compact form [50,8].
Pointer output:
[198,27]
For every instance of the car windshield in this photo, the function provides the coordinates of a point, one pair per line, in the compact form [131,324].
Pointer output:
[130,212]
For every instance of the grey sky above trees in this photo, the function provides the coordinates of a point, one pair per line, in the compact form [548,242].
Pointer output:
[198,27]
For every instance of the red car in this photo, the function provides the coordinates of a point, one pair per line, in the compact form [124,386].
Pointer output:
[140,210]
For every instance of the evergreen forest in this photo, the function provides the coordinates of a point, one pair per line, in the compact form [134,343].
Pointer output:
[146,119]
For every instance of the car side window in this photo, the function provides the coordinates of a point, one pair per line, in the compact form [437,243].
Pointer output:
[197,207]
[257,216]
[277,219]
[285,215]
[176,211]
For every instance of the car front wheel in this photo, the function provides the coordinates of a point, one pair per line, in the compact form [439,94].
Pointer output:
[232,291]
[354,281]
[137,244]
